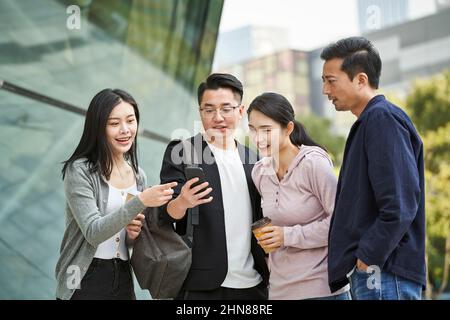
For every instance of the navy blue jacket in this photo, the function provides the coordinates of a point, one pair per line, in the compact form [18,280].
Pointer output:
[379,214]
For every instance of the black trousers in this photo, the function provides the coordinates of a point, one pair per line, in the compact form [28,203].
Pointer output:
[106,280]
[258,292]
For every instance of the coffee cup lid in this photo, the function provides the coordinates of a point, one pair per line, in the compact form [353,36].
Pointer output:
[260,223]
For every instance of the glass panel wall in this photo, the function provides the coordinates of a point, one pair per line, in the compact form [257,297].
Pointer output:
[158,50]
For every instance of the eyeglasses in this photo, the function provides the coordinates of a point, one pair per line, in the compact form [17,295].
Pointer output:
[225,112]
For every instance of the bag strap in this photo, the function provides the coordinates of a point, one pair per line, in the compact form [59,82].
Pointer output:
[193,215]
[189,237]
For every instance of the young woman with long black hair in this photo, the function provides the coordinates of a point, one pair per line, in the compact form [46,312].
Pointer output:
[298,187]
[100,177]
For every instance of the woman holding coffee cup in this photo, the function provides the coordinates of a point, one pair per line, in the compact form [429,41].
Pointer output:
[100,223]
[298,187]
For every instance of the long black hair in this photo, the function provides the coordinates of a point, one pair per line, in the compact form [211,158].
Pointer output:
[93,144]
[277,107]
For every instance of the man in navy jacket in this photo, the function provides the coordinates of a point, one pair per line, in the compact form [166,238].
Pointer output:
[377,233]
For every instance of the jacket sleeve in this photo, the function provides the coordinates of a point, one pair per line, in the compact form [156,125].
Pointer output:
[143,177]
[394,178]
[322,184]
[172,169]
[81,200]
[130,242]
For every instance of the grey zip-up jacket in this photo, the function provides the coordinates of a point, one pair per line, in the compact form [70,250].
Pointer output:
[86,223]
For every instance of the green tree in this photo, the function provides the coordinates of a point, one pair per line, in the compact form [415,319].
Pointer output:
[428,104]
[437,179]
[319,129]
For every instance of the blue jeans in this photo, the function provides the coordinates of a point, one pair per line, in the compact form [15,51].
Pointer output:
[342,296]
[383,286]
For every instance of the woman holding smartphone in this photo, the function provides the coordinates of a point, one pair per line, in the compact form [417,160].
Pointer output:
[100,223]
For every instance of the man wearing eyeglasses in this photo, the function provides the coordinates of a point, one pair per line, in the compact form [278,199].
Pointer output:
[227,262]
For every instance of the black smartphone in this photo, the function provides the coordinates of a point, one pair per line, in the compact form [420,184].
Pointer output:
[196,172]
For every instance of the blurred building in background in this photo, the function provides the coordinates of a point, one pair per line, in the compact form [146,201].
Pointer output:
[442,4]
[414,49]
[379,14]
[247,43]
[410,49]
[285,72]
[158,50]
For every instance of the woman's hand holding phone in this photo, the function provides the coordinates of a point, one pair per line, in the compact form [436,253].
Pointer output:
[157,195]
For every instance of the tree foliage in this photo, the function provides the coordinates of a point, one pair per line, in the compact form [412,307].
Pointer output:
[429,101]
[319,129]
[428,104]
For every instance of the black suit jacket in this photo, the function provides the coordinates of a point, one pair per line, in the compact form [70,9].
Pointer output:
[209,252]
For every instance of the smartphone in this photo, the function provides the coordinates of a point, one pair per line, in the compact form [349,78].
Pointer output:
[196,172]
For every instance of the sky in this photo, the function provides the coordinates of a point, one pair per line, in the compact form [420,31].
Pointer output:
[310,23]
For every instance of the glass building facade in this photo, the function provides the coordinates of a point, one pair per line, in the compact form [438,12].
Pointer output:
[158,50]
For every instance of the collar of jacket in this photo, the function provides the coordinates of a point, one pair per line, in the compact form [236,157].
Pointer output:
[378,98]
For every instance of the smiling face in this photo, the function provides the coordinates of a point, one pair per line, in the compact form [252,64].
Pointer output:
[343,92]
[220,124]
[267,134]
[121,128]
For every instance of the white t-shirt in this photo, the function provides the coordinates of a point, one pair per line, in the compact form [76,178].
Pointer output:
[115,246]
[238,218]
